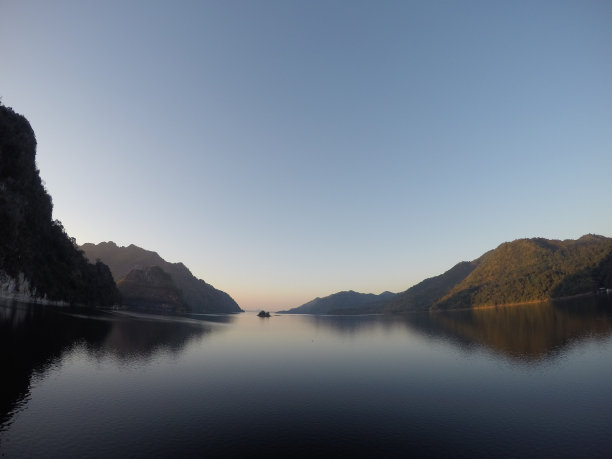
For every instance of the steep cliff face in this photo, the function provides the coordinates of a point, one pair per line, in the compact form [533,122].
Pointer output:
[198,295]
[38,260]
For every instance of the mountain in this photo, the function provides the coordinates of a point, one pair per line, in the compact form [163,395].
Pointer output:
[521,271]
[197,295]
[533,270]
[38,260]
[426,293]
[343,303]
[151,289]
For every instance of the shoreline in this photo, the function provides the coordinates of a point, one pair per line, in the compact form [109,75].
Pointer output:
[522,303]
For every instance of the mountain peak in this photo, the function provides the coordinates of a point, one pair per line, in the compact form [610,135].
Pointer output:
[197,294]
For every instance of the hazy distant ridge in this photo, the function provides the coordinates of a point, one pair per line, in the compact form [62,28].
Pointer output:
[197,295]
[342,302]
[152,290]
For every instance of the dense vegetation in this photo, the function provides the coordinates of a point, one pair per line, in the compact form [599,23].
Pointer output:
[37,257]
[533,269]
[197,295]
[593,277]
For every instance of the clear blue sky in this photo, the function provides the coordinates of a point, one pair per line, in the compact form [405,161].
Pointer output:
[286,150]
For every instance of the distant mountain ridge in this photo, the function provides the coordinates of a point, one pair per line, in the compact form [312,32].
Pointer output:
[151,289]
[197,295]
[521,271]
[342,302]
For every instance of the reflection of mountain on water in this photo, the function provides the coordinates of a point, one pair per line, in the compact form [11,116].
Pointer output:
[33,338]
[140,336]
[527,333]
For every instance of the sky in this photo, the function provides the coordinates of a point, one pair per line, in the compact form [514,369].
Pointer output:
[285,150]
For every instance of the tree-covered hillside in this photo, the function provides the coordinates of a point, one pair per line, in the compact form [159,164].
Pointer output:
[37,257]
[424,294]
[525,270]
[534,269]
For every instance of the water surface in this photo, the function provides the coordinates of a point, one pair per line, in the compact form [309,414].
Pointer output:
[506,382]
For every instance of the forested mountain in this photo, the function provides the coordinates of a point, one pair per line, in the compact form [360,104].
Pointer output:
[343,302]
[426,293]
[38,260]
[197,295]
[534,269]
[524,270]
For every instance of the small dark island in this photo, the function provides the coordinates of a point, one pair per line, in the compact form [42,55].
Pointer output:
[263,314]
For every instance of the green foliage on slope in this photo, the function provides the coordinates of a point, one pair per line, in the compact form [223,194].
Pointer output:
[531,270]
[524,270]
[33,246]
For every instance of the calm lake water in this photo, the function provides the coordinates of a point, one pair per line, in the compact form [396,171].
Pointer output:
[532,381]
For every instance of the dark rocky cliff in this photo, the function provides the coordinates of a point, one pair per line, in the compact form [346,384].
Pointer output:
[38,260]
